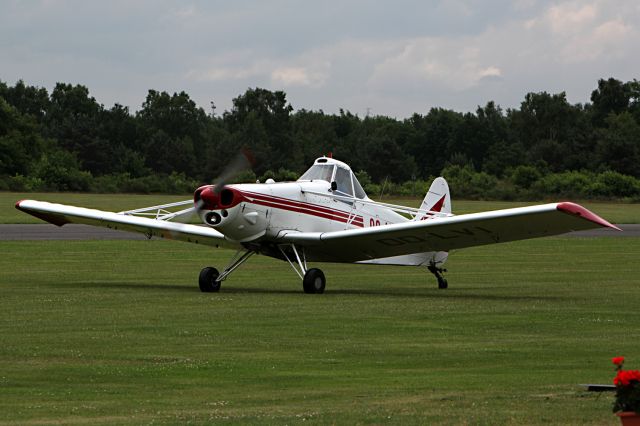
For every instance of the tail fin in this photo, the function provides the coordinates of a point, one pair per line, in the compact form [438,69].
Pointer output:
[437,200]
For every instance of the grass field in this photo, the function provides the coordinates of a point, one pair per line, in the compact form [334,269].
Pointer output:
[117,332]
[613,212]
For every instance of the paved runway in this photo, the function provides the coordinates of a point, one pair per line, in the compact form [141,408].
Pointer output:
[85,232]
[46,231]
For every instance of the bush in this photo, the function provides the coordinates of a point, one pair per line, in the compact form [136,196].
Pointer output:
[525,176]
[465,182]
[567,184]
[59,172]
[20,183]
[175,183]
[109,183]
[614,184]
[246,176]
[282,175]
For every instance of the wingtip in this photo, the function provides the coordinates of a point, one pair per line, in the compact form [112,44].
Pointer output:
[577,210]
[54,218]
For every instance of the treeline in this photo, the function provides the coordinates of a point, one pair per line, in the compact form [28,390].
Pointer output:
[66,141]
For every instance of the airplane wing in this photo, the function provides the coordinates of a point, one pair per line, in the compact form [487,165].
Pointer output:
[60,214]
[446,233]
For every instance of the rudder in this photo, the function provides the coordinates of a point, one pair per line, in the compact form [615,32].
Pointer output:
[437,200]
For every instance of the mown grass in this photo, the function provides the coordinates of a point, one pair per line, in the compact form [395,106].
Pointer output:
[613,212]
[117,332]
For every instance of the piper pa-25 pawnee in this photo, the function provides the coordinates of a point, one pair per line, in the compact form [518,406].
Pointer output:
[325,216]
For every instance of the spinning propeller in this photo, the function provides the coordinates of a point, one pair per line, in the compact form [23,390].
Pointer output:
[210,197]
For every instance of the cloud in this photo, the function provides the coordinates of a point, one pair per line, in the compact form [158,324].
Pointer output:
[393,58]
[432,63]
[563,42]
[576,32]
[553,48]
[297,76]
[570,17]
[490,74]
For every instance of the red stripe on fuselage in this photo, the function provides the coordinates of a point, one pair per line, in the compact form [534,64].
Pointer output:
[299,204]
[305,208]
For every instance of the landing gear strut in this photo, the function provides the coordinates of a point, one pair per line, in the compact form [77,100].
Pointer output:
[210,279]
[442,282]
[313,280]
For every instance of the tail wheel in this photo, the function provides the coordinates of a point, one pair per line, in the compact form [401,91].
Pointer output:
[208,280]
[314,281]
[442,283]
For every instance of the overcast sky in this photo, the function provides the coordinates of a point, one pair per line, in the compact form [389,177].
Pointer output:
[390,58]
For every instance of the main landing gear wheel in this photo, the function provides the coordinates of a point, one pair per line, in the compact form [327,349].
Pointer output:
[208,280]
[314,281]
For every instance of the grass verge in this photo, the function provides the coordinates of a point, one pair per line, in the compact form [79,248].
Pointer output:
[116,332]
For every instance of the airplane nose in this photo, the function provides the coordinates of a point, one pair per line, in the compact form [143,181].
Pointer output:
[208,197]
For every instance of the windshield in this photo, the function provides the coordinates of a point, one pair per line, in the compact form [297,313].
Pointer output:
[358,189]
[319,172]
[343,182]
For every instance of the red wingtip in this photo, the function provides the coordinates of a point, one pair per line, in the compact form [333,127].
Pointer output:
[18,204]
[578,210]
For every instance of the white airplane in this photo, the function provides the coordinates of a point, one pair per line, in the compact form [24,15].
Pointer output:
[325,216]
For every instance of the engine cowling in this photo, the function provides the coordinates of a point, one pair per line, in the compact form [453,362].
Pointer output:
[231,213]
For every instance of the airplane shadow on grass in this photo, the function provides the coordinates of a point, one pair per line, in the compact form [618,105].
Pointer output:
[459,293]
[400,293]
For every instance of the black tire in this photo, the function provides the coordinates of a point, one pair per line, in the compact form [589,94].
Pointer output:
[208,280]
[442,283]
[314,281]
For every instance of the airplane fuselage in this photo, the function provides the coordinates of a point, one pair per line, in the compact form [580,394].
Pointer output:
[268,210]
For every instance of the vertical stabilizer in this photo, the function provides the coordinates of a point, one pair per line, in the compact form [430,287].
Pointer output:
[437,200]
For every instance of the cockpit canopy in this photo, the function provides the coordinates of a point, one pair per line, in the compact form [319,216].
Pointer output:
[331,170]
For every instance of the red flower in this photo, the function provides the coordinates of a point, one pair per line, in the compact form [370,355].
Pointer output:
[625,377]
[618,360]
[627,388]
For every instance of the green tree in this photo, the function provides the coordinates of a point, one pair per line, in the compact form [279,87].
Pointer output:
[483,130]
[433,135]
[72,120]
[260,120]
[550,130]
[315,133]
[380,149]
[618,146]
[634,99]
[611,96]
[172,128]
[20,141]
[28,100]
